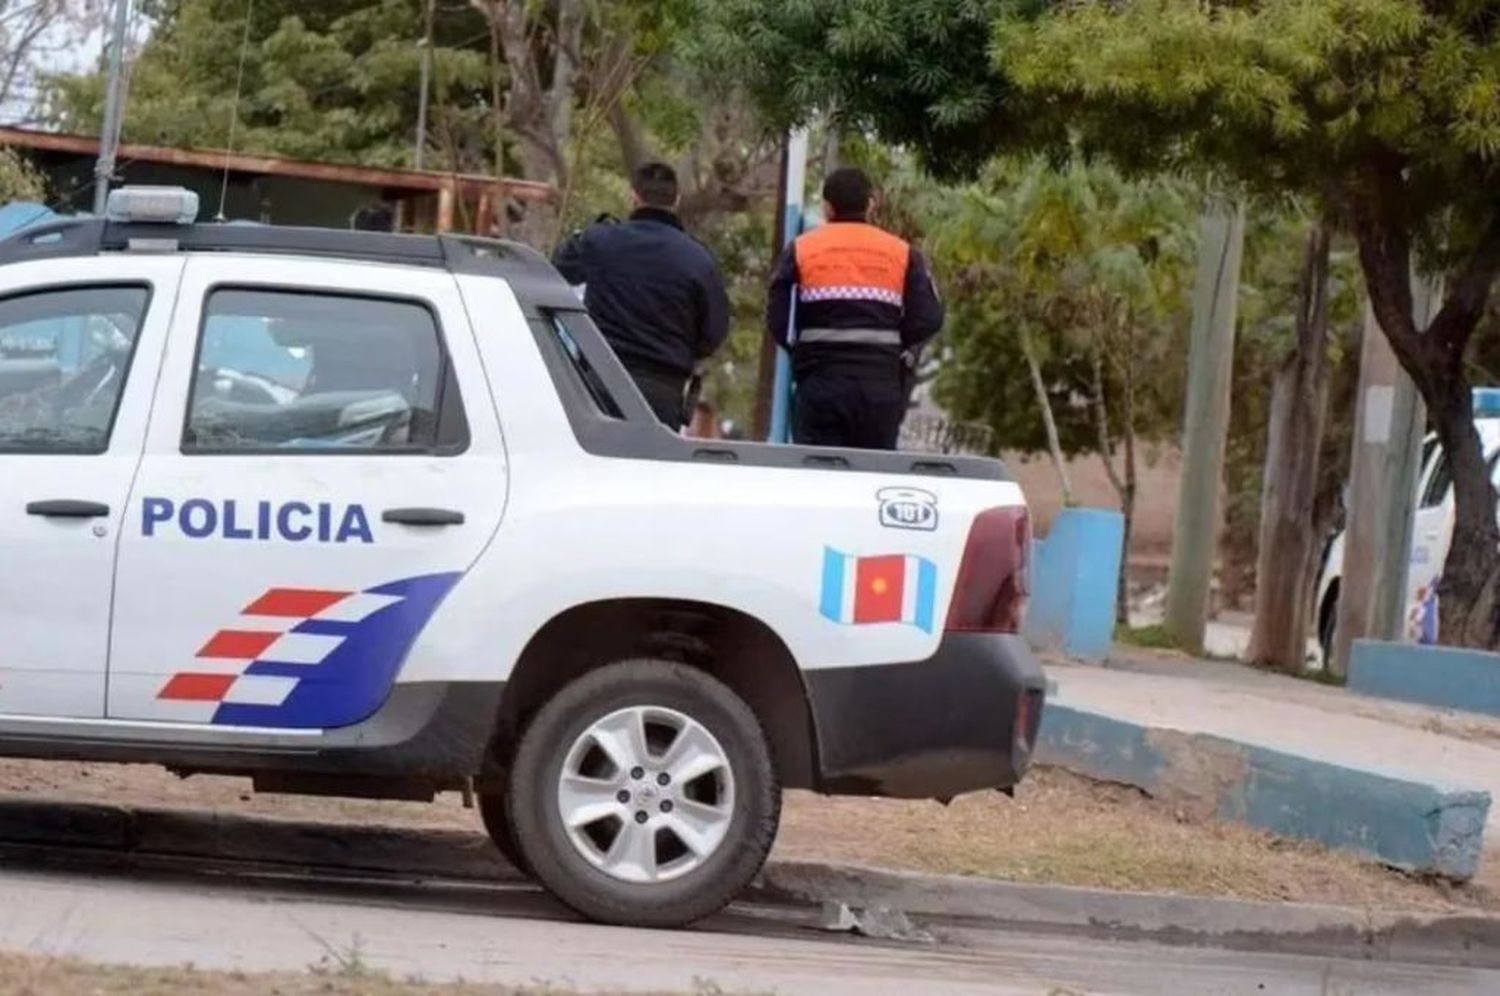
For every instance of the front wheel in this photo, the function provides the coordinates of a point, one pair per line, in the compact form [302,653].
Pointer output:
[644,794]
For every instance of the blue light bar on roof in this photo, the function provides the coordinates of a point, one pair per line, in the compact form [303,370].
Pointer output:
[1487,402]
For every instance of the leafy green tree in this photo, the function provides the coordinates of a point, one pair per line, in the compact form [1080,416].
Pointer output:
[19,180]
[336,80]
[1067,284]
[1384,113]
[915,72]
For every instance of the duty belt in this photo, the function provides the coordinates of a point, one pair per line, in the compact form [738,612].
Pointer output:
[851,337]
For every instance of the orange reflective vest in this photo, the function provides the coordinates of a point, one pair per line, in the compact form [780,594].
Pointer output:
[852,261]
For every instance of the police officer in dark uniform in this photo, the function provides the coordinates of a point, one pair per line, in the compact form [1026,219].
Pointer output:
[864,307]
[654,291]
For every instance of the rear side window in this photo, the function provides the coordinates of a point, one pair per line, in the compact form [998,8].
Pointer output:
[287,371]
[1439,483]
[64,356]
[604,402]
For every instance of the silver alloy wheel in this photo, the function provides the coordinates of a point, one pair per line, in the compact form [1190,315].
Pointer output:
[646,794]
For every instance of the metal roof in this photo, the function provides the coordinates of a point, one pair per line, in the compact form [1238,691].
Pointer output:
[407,180]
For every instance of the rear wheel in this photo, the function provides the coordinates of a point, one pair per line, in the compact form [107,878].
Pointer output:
[644,794]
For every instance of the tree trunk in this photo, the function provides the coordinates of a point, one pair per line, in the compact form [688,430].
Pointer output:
[1127,502]
[541,62]
[1116,480]
[628,133]
[501,215]
[1288,545]
[1054,444]
[1435,361]
[1467,592]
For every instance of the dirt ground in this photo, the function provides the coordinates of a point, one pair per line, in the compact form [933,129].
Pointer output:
[1060,829]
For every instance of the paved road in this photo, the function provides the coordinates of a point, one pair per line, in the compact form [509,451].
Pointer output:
[517,936]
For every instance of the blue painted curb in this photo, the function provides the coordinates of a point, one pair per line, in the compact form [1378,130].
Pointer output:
[1412,825]
[1452,677]
[1074,578]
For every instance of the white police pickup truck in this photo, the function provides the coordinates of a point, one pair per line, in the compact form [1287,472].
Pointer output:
[381,515]
[1432,533]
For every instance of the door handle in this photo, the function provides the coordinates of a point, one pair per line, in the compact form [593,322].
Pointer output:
[423,516]
[67,508]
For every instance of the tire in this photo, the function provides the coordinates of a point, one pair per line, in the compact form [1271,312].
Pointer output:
[631,861]
[1327,624]
[495,814]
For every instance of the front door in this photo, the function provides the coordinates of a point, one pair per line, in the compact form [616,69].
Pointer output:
[324,463]
[80,341]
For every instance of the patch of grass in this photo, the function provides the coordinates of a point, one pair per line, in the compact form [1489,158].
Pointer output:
[348,962]
[1067,830]
[1323,676]
[1307,672]
[1153,637]
[32,975]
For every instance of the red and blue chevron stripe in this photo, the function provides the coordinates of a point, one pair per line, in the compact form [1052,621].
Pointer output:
[310,658]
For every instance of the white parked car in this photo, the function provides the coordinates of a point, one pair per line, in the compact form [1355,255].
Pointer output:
[378,515]
[1432,532]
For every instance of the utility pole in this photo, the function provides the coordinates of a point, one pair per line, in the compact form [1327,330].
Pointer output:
[1384,467]
[1369,501]
[791,227]
[1195,539]
[109,133]
[420,150]
[1402,470]
[765,371]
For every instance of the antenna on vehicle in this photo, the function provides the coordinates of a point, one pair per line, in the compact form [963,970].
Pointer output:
[234,111]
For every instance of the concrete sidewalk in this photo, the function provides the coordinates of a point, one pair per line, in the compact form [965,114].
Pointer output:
[1293,717]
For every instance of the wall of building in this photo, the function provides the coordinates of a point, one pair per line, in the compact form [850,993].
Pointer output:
[268,199]
[1156,502]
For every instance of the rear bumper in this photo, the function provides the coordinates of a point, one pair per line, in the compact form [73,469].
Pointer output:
[964,719]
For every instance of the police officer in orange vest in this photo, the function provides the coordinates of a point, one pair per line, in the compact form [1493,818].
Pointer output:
[854,304]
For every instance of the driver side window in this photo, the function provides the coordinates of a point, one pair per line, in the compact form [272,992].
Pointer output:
[64,357]
[299,371]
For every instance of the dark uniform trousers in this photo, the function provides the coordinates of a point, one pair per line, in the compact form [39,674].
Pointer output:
[663,390]
[861,411]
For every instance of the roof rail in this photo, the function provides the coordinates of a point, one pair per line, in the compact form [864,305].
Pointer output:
[531,276]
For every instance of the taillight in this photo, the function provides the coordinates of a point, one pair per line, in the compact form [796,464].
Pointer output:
[993,577]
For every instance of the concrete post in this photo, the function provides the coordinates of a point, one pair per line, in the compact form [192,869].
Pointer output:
[1395,499]
[1370,502]
[1195,539]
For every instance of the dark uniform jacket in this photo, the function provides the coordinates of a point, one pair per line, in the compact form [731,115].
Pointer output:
[863,297]
[654,291]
